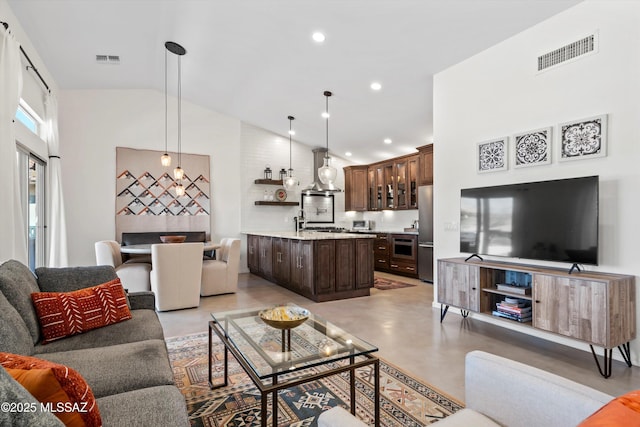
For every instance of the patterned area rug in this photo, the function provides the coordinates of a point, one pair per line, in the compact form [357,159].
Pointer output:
[386,284]
[405,401]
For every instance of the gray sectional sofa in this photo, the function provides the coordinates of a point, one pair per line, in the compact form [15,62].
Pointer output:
[125,364]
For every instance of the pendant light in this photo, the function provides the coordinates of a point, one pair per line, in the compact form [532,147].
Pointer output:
[165,159]
[178,172]
[290,182]
[327,173]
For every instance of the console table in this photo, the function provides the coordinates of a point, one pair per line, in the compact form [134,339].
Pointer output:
[593,307]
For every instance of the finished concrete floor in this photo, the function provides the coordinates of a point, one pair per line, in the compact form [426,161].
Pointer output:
[408,332]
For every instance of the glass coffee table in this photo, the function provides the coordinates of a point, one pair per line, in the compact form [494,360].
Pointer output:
[276,358]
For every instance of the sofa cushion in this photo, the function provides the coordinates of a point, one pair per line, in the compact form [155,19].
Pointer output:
[55,384]
[162,406]
[144,325]
[14,334]
[465,418]
[620,412]
[12,393]
[17,283]
[68,279]
[62,314]
[121,368]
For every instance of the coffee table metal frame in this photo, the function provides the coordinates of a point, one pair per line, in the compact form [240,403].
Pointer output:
[276,385]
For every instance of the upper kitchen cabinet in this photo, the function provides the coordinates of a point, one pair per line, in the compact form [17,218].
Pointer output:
[425,173]
[356,188]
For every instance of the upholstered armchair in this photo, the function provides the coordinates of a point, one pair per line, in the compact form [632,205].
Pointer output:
[134,276]
[176,274]
[220,275]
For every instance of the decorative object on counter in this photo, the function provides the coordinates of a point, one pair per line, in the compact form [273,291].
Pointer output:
[532,148]
[286,316]
[267,172]
[281,194]
[327,173]
[290,182]
[283,174]
[178,172]
[583,139]
[492,155]
[173,239]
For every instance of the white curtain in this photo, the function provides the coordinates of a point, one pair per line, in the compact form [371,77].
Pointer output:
[13,234]
[57,226]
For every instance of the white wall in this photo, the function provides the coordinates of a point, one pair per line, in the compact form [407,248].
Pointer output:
[498,93]
[93,123]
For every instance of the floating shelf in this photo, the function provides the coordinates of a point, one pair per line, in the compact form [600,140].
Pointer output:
[263,203]
[268,181]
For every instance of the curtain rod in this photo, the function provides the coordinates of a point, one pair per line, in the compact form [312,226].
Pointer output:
[6,27]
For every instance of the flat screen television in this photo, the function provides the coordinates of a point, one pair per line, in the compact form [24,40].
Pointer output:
[548,220]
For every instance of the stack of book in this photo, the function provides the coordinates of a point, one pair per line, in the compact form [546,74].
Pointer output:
[514,309]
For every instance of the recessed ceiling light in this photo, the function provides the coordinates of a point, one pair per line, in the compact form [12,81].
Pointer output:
[348,154]
[292,132]
[387,141]
[325,115]
[376,86]
[318,37]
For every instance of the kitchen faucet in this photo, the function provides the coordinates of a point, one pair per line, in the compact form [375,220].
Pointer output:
[300,220]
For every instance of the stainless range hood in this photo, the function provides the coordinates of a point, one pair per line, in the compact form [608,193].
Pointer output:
[317,187]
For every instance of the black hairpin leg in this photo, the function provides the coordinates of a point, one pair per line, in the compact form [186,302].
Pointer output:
[443,311]
[607,361]
[464,313]
[626,353]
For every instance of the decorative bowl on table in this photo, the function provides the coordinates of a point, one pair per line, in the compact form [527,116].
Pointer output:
[284,316]
[173,239]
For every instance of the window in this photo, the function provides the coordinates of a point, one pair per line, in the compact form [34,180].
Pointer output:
[31,171]
[28,117]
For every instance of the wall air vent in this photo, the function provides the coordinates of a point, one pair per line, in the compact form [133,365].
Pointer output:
[108,59]
[572,51]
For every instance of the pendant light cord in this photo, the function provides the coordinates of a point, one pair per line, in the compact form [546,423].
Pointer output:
[327,125]
[290,120]
[166,108]
[180,111]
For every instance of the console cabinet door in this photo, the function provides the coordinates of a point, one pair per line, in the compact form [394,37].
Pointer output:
[458,285]
[575,308]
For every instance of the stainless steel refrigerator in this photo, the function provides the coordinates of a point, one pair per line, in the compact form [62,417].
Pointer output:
[425,233]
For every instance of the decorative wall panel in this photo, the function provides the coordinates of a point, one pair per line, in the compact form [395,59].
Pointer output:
[146,199]
[583,139]
[532,148]
[492,155]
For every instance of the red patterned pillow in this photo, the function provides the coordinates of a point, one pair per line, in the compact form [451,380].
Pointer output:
[58,388]
[62,314]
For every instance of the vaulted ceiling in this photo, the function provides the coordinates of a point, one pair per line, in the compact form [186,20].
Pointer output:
[255,59]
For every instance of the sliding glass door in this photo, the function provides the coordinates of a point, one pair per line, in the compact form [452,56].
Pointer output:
[31,170]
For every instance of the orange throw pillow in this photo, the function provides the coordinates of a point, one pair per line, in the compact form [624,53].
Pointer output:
[622,411]
[62,314]
[60,389]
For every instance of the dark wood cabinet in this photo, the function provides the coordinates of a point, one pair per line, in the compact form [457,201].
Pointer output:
[320,269]
[281,260]
[253,252]
[413,164]
[396,253]
[364,263]
[381,252]
[425,173]
[266,256]
[301,267]
[375,188]
[356,188]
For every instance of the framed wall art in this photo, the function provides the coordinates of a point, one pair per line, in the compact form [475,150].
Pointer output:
[532,148]
[492,155]
[583,139]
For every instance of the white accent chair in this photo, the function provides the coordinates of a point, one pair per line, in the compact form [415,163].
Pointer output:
[220,275]
[175,274]
[134,276]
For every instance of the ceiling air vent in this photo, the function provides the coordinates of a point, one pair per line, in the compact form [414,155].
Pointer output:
[107,59]
[569,52]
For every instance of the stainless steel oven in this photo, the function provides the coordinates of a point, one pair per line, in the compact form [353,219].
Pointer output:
[403,247]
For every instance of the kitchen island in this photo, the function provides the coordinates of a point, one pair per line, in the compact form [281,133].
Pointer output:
[318,265]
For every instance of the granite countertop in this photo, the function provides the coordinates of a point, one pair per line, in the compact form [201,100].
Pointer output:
[310,235]
[415,232]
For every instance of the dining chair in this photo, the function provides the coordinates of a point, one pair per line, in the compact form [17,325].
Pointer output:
[176,274]
[220,275]
[134,276]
